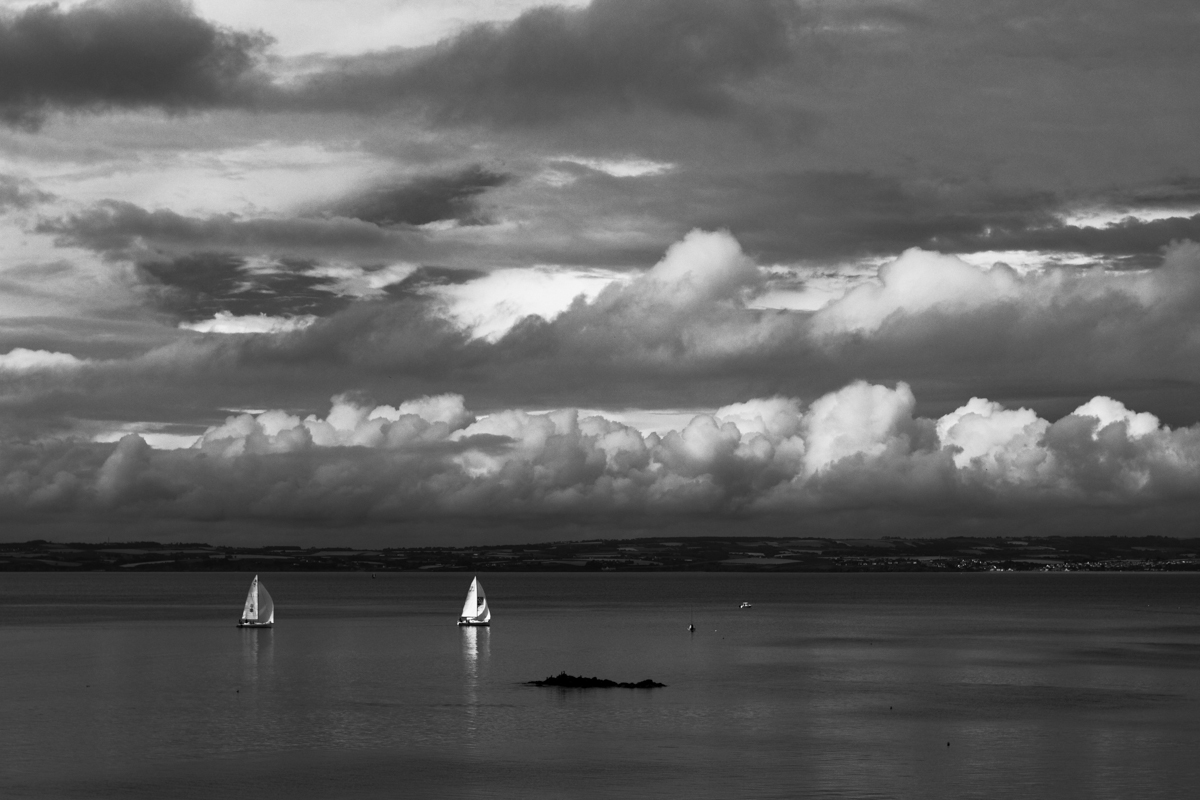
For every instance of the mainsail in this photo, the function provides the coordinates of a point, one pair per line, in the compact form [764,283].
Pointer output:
[250,612]
[475,608]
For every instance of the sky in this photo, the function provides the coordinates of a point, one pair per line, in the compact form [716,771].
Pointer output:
[401,272]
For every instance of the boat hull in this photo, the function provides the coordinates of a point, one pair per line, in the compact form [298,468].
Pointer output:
[473,623]
[243,624]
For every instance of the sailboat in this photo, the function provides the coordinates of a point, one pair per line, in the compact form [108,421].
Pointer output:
[260,608]
[475,610]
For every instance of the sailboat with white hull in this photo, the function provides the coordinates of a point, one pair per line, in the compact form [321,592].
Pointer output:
[260,608]
[475,610]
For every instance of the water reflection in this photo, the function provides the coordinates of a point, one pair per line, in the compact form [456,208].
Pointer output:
[257,654]
[476,643]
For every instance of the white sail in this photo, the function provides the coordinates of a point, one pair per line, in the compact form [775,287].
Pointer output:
[250,612]
[259,610]
[266,606]
[471,602]
[475,609]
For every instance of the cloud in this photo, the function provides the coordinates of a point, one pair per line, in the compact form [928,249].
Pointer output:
[685,334]
[1126,237]
[225,322]
[20,359]
[20,194]
[915,282]
[860,420]
[859,447]
[208,285]
[120,53]
[427,199]
[490,305]
[997,437]
[553,62]
[620,167]
[124,230]
[1107,411]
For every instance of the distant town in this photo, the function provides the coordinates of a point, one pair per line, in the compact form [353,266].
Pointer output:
[740,554]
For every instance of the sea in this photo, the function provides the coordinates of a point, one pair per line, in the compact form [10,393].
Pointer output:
[1010,685]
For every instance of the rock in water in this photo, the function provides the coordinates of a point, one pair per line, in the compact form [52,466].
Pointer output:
[566,681]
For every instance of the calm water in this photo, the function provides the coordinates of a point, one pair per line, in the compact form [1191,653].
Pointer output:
[847,686]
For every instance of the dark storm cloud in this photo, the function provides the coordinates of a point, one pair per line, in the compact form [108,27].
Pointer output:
[839,214]
[85,337]
[551,63]
[432,198]
[199,286]
[120,53]
[120,229]
[829,215]
[1178,192]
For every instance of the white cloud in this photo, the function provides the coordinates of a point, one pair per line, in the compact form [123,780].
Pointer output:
[858,420]
[993,437]
[703,266]
[621,167]
[156,440]
[1104,216]
[859,445]
[226,322]
[491,305]
[353,280]
[916,282]
[1107,411]
[20,359]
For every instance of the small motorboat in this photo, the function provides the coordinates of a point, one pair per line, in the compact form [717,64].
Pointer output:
[745,604]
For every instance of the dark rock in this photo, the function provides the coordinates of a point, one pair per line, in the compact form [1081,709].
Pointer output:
[566,681]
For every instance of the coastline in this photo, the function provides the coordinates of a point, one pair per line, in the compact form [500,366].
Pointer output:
[664,554]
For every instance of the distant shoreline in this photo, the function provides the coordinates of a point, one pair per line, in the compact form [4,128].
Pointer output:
[662,554]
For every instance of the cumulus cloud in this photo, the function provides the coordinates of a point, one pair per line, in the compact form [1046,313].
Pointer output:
[685,333]
[120,53]
[993,437]
[428,457]
[1107,411]
[915,282]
